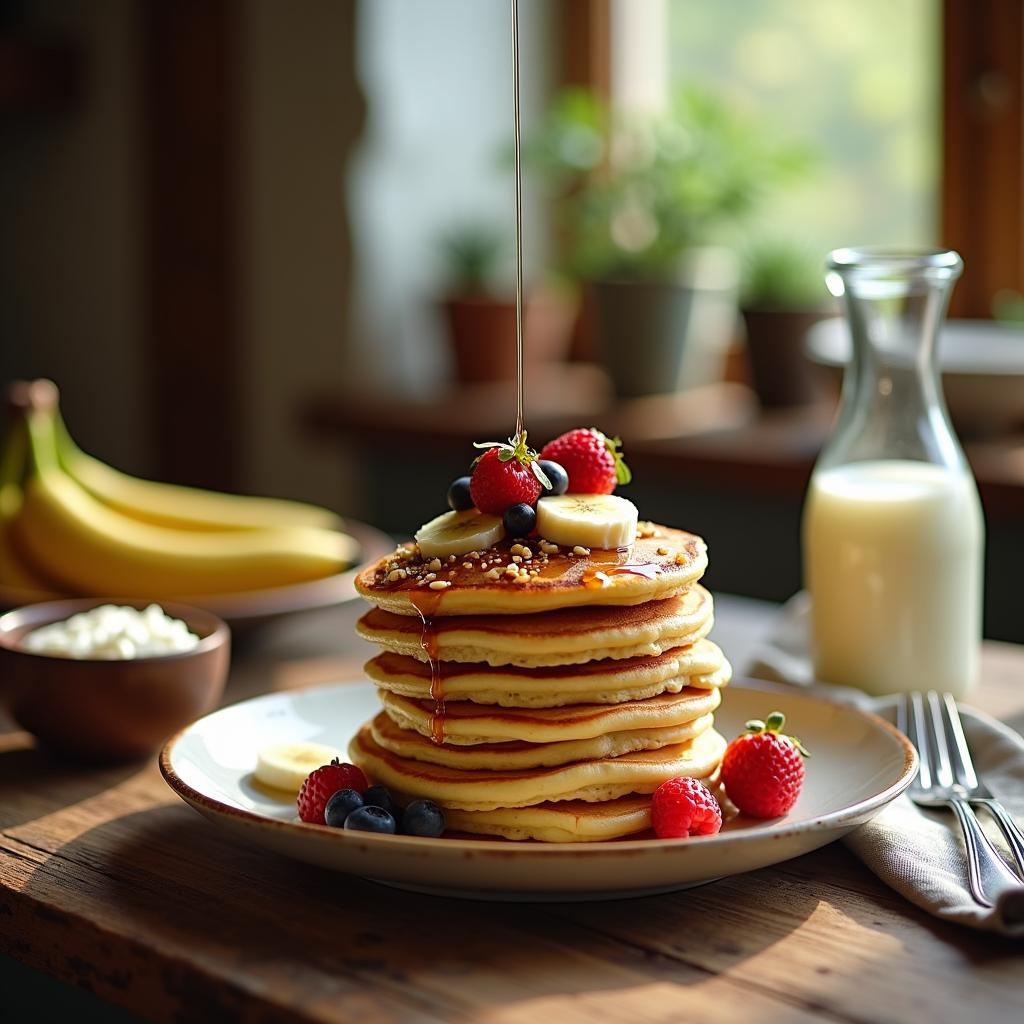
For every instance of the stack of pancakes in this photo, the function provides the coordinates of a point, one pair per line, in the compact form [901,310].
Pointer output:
[549,702]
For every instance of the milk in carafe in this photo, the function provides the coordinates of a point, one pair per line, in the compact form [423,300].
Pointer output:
[892,525]
[893,560]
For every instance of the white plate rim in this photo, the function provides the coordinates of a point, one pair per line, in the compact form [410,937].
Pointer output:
[501,849]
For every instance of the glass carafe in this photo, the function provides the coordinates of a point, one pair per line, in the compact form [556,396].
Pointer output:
[892,528]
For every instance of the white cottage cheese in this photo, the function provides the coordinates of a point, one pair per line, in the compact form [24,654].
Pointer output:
[113,632]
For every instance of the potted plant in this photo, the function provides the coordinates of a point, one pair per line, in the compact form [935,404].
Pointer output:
[481,319]
[644,198]
[783,296]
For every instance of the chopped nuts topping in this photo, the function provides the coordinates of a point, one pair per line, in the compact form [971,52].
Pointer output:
[467,565]
[440,584]
[434,564]
[548,548]
[662,551]
[580,551]
[493,574]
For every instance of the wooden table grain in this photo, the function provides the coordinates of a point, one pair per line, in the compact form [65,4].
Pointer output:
[108,882]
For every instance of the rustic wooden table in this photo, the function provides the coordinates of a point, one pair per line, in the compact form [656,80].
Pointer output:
[108,882]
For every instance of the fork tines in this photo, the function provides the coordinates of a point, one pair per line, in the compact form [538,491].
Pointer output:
[932,722]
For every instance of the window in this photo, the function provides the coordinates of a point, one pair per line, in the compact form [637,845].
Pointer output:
[860,82]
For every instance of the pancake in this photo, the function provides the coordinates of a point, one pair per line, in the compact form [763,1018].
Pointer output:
[569,636]
[514,755]
[713,680]
[467,723]
[605,779]
[571,821]
[661,563]
[610,681]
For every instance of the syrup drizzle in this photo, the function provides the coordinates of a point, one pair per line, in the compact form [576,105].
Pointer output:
[595,578]
[426,606]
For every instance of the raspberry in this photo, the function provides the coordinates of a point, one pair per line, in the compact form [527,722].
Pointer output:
[684,807]
[763,770]
[592,461]
[322,783]
[505,475]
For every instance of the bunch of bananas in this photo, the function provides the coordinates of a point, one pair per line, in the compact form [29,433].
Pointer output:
[71,525]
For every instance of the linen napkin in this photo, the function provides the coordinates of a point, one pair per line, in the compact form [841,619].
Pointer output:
[918,852]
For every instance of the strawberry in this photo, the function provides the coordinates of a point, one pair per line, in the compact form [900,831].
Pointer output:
[592,460]
[322,783]
[506,474]
[763,769]
[684,807]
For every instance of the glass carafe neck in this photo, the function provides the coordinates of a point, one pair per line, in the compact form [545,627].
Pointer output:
[892,402]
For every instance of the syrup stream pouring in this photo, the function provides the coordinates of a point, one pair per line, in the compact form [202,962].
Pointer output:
[426,609]
[519,221]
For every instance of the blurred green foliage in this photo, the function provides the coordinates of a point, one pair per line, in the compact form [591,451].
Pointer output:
[782,275]
[1008,307]
[859,79]
[472,253]
[640,190]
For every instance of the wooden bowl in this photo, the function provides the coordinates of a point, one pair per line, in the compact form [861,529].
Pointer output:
[105,710]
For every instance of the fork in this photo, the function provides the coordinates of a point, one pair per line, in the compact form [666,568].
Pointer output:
[978,794]
[946,778]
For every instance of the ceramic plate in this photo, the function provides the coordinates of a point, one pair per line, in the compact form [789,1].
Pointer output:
[860,763]
[246,610]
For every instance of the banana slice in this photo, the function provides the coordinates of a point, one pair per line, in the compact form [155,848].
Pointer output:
[285,765]
[589,520]
[455,533]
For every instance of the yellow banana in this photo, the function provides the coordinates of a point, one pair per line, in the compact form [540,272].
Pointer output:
[15,574]
[87,546]
[183,508]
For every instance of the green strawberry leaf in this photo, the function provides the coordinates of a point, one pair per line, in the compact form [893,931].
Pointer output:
[623,474]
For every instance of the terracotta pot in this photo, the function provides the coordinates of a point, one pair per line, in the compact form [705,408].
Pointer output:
[780,371]
[482,332]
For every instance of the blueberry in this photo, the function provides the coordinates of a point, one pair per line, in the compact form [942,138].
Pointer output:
[340,806]
[458,495]
[557,475]
[371,819]
[520,519]
[423,818]
[378,796]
